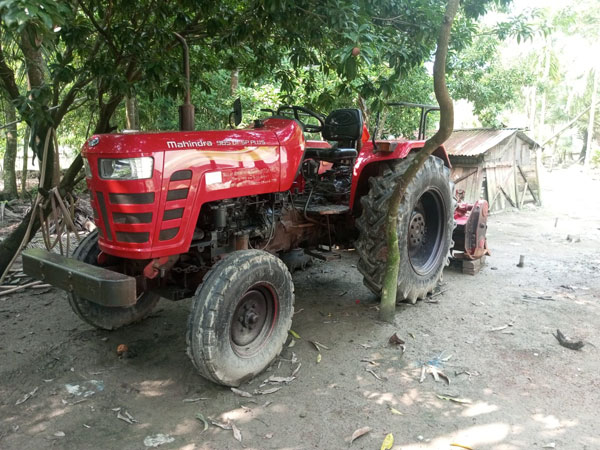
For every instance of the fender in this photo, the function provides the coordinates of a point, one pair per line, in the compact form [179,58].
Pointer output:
[367,163]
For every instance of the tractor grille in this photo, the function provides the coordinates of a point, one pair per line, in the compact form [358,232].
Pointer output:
[119,218]
[140,221]
[132,217]
[132,199]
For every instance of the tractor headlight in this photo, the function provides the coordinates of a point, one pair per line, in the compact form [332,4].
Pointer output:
[126,168]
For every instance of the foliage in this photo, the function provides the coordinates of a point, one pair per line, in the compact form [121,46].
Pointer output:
[489,83]
[96,52]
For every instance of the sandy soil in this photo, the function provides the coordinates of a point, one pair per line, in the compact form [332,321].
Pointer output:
[490,334]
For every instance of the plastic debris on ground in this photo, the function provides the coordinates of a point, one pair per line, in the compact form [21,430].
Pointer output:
[157,440]
[86,388]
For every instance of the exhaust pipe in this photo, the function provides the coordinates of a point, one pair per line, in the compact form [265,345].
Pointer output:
[187,110]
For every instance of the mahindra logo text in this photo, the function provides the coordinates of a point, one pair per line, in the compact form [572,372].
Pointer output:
[188,144]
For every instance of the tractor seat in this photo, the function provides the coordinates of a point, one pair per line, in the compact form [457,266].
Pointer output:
[330,154]
[344,127]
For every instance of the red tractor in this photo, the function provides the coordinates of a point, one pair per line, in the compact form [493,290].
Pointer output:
[217,215]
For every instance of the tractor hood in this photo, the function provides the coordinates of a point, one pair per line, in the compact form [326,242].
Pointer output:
[146,189]
[131,144]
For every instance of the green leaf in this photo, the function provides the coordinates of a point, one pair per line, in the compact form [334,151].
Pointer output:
[294,334]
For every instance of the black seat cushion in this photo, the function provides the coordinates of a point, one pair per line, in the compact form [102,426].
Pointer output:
[330,154]
[343,125]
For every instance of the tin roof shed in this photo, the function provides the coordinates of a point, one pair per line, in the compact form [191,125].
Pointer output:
[497,165]
[476,141]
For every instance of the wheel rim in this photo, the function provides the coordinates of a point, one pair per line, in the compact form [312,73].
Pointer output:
[253,320]
[426,231]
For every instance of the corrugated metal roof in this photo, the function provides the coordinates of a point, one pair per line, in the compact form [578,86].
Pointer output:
[476,141]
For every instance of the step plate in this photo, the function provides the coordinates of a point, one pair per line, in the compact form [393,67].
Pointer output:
[327,210]
[323,255]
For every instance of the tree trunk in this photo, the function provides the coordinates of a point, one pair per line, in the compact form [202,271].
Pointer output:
[235,80]
[566,127]
[590,129]
[10,155]
[35,67]
[24,169]
[362,104]
[131,113]
[545,75]
[532,110]
[390,281]
[10,244]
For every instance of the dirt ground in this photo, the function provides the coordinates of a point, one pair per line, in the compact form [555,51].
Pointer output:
[513,386]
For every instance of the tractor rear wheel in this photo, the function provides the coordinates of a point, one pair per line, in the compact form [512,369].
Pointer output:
[425,224]
[240,317]
[107,317]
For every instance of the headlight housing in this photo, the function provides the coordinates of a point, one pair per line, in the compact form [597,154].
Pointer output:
[126,168]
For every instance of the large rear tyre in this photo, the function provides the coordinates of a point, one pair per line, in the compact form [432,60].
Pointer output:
[425,224]
[240,317]
[105,317]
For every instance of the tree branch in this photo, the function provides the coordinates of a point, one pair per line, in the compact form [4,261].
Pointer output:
[100,29]
[7,77]
[390,282]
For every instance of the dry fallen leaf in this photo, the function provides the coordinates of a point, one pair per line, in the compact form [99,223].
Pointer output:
[358,433]
[568,343]
[318,345]
[224,426]
[240,392]
[423,374]
[318,358]
[194,400]
[388,442]
[266,391]
[461,446]
[395,411]
[295,372]
[126,417]
[27,396]
[450,398]
[201,418]
[370,361]
[372,372]
[437,374]
[273,379]
[237,434]
[396,340]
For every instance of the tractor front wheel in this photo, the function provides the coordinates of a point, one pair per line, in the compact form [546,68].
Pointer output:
[107,317]
[240,317]
[425,225]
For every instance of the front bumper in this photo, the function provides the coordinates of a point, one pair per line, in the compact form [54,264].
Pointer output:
[93,283]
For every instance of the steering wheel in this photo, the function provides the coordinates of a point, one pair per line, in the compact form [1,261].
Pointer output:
[298,111]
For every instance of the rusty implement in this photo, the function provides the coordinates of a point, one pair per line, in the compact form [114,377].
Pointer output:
[469,236]
[98,285]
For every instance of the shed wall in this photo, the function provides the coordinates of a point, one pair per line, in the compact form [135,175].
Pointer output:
[495,175]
